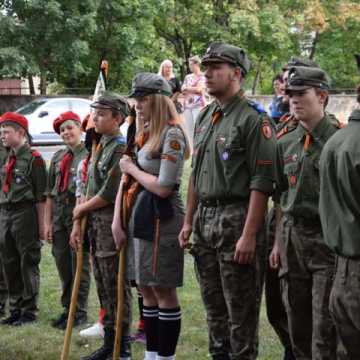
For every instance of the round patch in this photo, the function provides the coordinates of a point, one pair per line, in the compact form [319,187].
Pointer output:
[225,155]
[293,180]
[175,145]
[266,130]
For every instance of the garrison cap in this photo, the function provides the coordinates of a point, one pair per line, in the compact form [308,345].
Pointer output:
[147,84]
[112,101]
[226,53]
[300,61]
[302,78]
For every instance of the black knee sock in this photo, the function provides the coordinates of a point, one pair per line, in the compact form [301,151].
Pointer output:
[151,321]
[141,306]
[169,330]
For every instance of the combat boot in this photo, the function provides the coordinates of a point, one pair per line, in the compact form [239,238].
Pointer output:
[14,316]
[106,350]
[125,353]
[289,355]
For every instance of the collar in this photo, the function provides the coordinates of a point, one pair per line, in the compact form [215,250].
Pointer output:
[317,132]
[76,150]
[20,151]
[105,139]
[233,101]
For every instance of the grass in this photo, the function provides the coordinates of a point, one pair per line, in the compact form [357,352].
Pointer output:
[42,342]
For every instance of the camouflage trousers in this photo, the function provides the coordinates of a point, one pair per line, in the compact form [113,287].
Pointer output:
[3,286]
[307,270]
[345,307]
[20,249]
[106,265]
[231,292]
[275,308]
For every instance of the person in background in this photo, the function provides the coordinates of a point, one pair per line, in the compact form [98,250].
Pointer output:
[193,91]
[275,107]
[166,70]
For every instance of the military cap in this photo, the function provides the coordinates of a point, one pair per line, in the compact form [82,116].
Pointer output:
[147,84]
[65,116]
[226,53]
[111,101]
[16,118]
[302,78]
[300,61]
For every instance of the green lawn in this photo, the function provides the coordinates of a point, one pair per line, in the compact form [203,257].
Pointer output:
[42,342]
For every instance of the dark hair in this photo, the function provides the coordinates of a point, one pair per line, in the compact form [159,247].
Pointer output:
[277,77]
[358,94]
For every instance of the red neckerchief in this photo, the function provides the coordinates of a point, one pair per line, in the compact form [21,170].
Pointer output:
[65,172]
[9,167]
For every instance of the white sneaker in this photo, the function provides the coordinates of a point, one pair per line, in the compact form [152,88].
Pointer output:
[96,330]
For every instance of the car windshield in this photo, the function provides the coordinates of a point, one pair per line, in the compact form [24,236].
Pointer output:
[31,107]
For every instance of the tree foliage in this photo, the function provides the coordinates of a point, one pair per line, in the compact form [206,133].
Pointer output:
[64,41]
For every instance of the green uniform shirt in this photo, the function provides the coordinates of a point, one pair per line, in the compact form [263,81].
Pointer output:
[28,182]
[104,171]
[234,155]
[297,169]
[340,189]
[79,153]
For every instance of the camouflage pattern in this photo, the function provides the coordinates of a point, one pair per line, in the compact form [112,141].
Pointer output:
[307,270]
[231,292]
[345,307]
[106,264]
[275,309]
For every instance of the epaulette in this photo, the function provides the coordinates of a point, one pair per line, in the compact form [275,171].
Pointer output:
[335,121]
[257,106]
[284,130]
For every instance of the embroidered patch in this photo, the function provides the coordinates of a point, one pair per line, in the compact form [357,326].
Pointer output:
[169,157]
[290,159]
[225,155]
[293,180]
[175,145]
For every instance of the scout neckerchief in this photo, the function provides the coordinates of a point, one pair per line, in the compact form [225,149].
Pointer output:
[65,164]
[9,173]
[308,141]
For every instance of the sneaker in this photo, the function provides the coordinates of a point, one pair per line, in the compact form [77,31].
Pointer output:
[24,320]
[58,322]
[14,316]
[96,330]
[139,337]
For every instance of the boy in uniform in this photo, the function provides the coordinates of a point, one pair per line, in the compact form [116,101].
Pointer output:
[58,218]
[103,182]
[23,184]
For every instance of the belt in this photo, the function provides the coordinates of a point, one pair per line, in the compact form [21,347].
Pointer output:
[67,199]
[16,206]
[222,202]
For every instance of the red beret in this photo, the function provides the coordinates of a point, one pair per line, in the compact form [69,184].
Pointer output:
[68,115]
[15,118]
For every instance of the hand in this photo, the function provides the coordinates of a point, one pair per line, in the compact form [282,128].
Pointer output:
[75,236]
[184,236]
[48,233]
[79,212]
[274,258]
[119,234]
[126,164]
[245,249]
[42,235]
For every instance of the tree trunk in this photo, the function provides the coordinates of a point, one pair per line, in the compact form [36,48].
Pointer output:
[31,84]
[313,45]
[43,81]
[257,77]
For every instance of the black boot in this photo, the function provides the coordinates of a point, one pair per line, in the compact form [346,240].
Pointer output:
[125,353]
[14,316]
[106,350]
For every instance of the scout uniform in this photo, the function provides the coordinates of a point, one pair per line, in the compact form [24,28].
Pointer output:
[23,183]
[3,286]
[61,189]
[103,180]
[307,264]
[155,224]
[234,149]
[340,218]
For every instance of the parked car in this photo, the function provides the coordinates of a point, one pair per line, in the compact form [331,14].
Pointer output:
[42,112]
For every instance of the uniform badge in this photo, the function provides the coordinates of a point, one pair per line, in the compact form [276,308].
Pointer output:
[266,130]
[175,145]
[18,180]
[293,180]
[221,140]
[225,155]
[294,157]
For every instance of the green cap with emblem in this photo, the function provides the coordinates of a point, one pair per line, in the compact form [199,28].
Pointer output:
[300,61]
[147,84]
[226,53]
[302,78]
[112,101]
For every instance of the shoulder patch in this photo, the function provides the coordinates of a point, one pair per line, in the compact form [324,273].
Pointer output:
[256,106]
[175,145]
[121,140]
